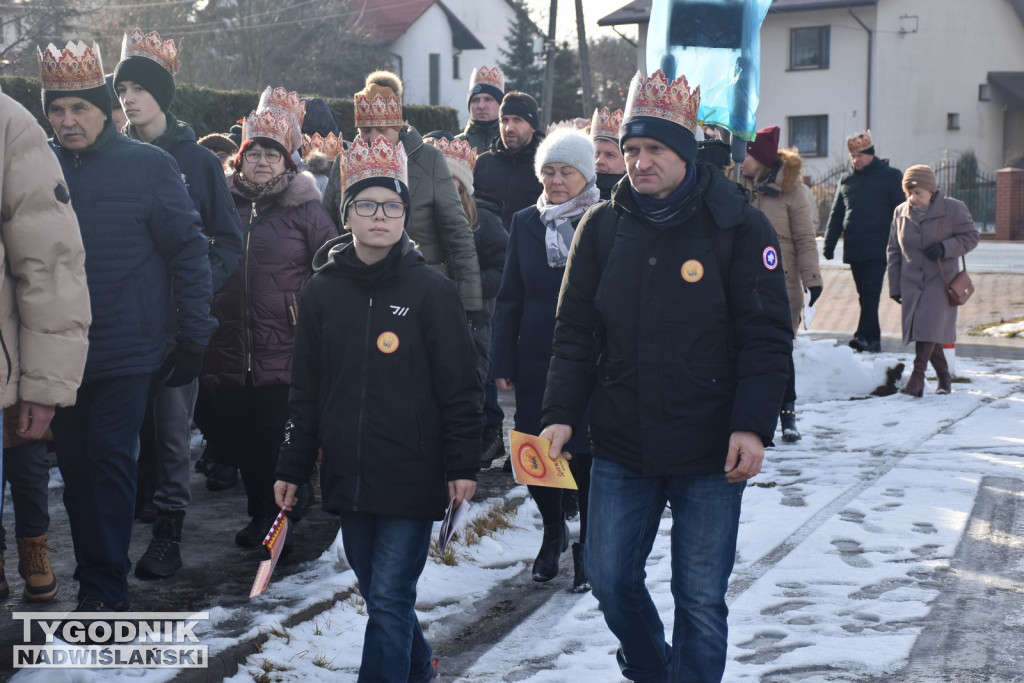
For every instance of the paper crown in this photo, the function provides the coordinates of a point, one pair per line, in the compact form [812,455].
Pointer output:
[605,124]
[285,103]
[578,123]
[658,98]
[151,46]
[329,146]
[376,160]
[269,123]
[859,141]
[491,76]
[458,152]
[77,67]
[378,107]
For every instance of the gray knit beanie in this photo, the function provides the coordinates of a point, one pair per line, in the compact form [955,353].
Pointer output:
[566,146]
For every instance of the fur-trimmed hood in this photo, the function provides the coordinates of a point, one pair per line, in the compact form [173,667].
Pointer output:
[299,190]
[792,164]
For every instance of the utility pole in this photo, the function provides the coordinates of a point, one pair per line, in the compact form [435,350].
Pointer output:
[549,68]
[581,38]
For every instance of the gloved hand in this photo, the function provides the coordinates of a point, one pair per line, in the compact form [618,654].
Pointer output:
[934,251]
[829,252]
[815,293]
[897,298]
[476,319]
[183,364]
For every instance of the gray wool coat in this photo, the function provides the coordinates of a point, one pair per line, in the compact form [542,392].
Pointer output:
[927,313]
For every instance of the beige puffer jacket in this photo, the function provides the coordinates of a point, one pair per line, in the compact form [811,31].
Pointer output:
[790,215]
[44,299]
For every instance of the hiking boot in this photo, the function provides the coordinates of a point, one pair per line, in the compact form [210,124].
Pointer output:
[252,535]
[221,477]
[79,628]
[492,445]
[5,590]
[787,419]
[34,567]
[163,556]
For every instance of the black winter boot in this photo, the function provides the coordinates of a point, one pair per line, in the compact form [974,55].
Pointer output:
[579,577]
[787,416]
[556,541]
[163,556]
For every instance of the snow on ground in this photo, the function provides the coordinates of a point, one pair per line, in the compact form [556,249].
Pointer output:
[841,541]
[1006,330]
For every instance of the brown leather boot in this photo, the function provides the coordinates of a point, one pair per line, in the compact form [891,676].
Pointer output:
[938,359]
[915,385]
[34,567]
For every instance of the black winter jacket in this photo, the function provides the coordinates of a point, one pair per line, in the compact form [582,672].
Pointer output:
[204,178]
[144,253]
[693,329]
[509,177]
[862,209]
[384,380]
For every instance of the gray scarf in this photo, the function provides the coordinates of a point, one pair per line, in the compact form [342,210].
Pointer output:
[557,219]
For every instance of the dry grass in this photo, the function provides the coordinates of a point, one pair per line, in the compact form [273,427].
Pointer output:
[493,520]
[980,330]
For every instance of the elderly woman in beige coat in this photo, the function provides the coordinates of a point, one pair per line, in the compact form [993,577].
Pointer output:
[772,176]
[926,229]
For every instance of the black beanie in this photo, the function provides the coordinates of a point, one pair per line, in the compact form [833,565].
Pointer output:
[674,136]
[99,96]
[486,89]
[522,105]
[351,191]
[150,75]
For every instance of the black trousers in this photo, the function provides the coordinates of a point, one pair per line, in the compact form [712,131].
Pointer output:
[868,276]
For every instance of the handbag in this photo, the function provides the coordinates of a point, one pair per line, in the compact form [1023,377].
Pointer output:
[960,288]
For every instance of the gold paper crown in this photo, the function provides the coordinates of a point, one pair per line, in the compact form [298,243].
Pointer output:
[77,67]
[378,107]
[578,123]
[329,146]
[152,46]
[458,152]
[377,160]
[492,76]
[269,123]
[605,124]
[283,102]
[859,141]
[657,98]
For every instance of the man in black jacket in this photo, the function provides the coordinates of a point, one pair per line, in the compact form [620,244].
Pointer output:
[862,214]
[506,175]
[144,83]
[673,325]
[506,172]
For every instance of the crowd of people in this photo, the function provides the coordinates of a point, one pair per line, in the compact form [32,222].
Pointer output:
[352,308]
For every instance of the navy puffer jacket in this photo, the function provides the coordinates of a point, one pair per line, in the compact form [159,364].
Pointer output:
[141,234]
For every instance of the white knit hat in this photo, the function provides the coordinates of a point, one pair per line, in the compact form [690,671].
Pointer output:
[566,146]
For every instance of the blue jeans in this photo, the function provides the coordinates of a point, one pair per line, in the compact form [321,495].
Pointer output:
[388,555]
[625,512]
[97,446]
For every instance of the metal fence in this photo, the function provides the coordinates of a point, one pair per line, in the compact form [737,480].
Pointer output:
[958,178]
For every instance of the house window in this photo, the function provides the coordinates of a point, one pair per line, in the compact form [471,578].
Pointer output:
[984,92]
[809,134]
[455,67]
[808,47]
[952,121]
[435,79]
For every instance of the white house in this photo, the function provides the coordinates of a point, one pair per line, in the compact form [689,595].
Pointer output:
[436,44]
[931,78]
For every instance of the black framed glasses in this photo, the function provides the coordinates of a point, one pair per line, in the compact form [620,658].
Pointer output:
[253,156]
[367,208]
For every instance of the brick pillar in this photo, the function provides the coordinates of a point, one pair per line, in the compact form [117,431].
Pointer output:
[1009,204]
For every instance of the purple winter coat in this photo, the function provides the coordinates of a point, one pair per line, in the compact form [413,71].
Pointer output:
[258,306]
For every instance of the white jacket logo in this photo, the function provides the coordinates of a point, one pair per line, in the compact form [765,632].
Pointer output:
[399,310]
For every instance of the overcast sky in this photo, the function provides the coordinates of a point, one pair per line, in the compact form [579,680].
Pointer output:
[566,23]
